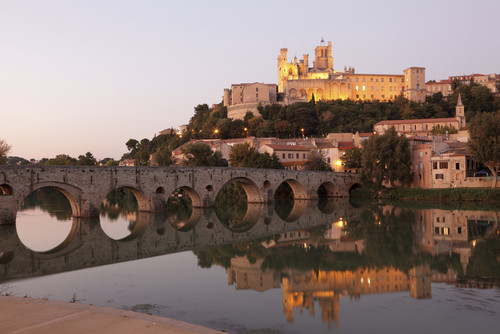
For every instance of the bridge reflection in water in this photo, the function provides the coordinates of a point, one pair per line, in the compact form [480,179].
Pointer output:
[316,252]
[154,234]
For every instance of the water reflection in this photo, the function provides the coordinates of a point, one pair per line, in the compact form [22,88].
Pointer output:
[56,222]
[317,253]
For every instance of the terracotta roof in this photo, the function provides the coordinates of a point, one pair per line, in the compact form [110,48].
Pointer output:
[294,163]
[439,82]
[366,134]
[324,144]
[411,121]
[345,145]
[278,147]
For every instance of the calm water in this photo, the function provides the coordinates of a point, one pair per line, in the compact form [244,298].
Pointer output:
[303,267]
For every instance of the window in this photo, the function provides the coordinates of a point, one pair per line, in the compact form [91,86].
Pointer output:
[439,176]
[457,165]
[364,88]
[390,79]
[283,155]
[363,79]
[371,79]
[443,165]
[459,230]
[357,79]
[303,155]
[446,231]
[297,156]
[290,155]
[382,80]
[436,230]
[357,96]
[357,88]
[437,219]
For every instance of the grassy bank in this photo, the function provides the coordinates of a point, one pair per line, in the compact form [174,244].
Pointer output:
[458,197]
[444,195]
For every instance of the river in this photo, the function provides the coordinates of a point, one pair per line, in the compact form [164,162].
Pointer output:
[331,266]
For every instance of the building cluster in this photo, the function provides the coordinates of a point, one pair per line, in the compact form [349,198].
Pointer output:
[437,232]
[439,161]
[297,82]
[445,87]
[293,153]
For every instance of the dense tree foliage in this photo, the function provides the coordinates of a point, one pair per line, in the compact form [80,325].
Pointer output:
[315,162]
[484,142]
[352,158]
[4,150]
[386,158]
[86,160]
[200,154]
[243,155]
[61,160]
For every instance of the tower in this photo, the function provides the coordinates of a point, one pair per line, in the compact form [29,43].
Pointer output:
[414,84]
[323,57]
[460,113]
[282,70]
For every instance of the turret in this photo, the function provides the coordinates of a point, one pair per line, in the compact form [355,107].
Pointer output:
[460,113]
[227,97]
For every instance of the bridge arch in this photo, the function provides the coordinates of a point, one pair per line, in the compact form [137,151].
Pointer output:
[251,217]
[142,201]
[72,194]
[250,187]
[328,189]
[6,190]
[298,190]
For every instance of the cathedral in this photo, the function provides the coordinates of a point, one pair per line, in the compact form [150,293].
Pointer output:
[298,82]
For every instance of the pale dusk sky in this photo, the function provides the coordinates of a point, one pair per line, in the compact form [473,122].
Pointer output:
[79,76]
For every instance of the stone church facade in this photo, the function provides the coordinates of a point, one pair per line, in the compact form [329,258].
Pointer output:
[297,82]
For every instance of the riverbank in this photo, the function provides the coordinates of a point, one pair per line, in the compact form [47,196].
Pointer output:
[29,315]
[485,195]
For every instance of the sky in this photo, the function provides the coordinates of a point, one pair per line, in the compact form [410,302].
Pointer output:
[86,76]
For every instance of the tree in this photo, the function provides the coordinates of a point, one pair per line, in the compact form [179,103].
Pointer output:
[131,144]
[442,130]
[386,158]
[141,157]
[316,162]
[200,154]
[163,157]
[352,158]
[243,155]
[86,160]
[4,150]
[61,160]
[484,141]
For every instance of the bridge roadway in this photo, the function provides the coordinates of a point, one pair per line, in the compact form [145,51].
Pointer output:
[87,186]
[156,234]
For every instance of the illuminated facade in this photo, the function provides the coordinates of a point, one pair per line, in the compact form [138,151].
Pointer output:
[297,82]
[300,83]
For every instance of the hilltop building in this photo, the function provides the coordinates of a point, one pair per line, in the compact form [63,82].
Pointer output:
[445,86]
[297,82]
[423,127]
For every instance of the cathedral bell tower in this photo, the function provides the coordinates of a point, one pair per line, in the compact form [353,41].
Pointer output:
[460,113]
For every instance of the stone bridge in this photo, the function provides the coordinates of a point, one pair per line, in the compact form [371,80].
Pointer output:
[87,245]
[86,187]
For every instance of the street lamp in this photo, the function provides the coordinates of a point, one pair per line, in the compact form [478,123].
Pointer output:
[246,132]
[302,130]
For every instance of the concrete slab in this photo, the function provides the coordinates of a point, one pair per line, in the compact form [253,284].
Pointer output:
[27,316]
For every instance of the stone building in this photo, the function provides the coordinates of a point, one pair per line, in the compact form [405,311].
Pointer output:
[423,127]
[298,82]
